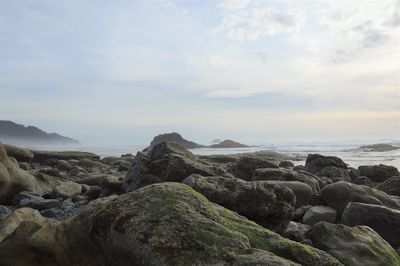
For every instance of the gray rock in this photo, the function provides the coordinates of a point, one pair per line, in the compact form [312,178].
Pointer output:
[353,246]
[245,167]
[269,205]
[385,221]
[335,173]
[286,164]
[296,231]
[391,186]
[299,212]
[4,212]
[317,214]
[316,163]
[39,203]
[378,173]
[302,191]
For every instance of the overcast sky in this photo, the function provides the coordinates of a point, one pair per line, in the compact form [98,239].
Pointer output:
[122,71]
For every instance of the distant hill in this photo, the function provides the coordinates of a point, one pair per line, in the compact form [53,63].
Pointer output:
[175,138]
[228,144]
[13,133]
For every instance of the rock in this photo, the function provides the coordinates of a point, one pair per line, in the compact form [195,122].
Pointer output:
[339,194]
[166,162]
[43,156]
[21,154]
[24,165]
[13,179]
[302,191]
[4,212]
[112,185]
[300,211]
[66,190]
[163,224]
[91,165]
[174,138]
[33,201]
[316,163]
[391,186]
[228,144]
[12,221]
[50,171]
[378,173]
[268,205]
[380,147]
[298,168]
[286,164]
[296,231]
[283,174]
[220,158]
[385,221]
[65,210]
[317,214]
[245,167]
[335,173]
[63,165]
[353,173]
[363,180]
[356,246]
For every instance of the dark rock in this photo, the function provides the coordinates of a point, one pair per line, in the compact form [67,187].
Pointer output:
[63,165]
[385,221]
[378,173]
[94,192]
[298,168]
[353,173]
[299,212]
[391,186]
[65,210]
[302,191]
[335,173]
[43,156]
[363,180]
[339,194]
[353,246]
[228,144]
[380,147]
[286,164]
[317,214]
[50,171]
[4,212]
[283,174]
[38,203]
[220,158]
[316,163]
[269,205]
[175,138]
[245,167]
[296,231]
[166,162]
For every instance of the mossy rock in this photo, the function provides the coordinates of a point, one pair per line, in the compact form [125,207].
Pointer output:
[356,246]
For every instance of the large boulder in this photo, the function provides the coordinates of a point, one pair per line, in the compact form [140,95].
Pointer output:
[66,190]
[335,173]
[13,179]
[385,221]
[245,167]
[315,163]
[166,162]
[339,194]
[353,246]
[297,231]
[378,173]
[268,205]
[317,214]
[283,174]
[21,154]
[160,224]
[175,138]
[302,191]
[391,186]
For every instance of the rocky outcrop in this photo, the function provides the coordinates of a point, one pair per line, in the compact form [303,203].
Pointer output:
[353,246]
[175,138]
[391,186]
[245,167]
[339,194]
[315,163]
[161,224]
[283,174]
[378,173]
[268,205]
[228,144]
[380,147]
[166,162]
[385,221]
[20,154]
[42,156]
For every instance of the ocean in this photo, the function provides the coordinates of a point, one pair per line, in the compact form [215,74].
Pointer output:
[347,150]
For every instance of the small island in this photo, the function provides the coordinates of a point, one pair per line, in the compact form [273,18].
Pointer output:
[229,144]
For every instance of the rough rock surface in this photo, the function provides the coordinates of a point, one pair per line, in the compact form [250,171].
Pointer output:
[268,205]
[353,246]
[302,191]
[385,221]
[317,214]
[166,162]
[296,231]
[245,167]
[161,224]
[391,186]
[283,174]
[335,173]
[21,154]
[339,194]
[316,163]
[378,173]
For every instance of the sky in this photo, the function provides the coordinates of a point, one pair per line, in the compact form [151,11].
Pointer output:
[123,71]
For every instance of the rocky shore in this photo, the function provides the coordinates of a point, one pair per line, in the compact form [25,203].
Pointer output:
[167,206]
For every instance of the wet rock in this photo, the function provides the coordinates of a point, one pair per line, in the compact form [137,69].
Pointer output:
[391,186]
[316,163]
[378,173]
[317,214]
[166,162]
[269,205]
[383,220]
[245,167]
[353,246]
